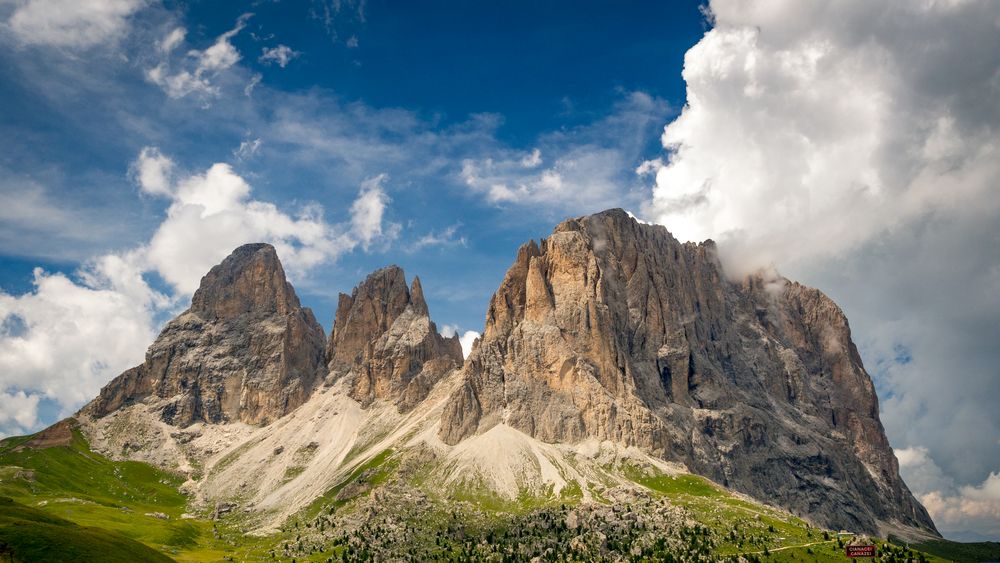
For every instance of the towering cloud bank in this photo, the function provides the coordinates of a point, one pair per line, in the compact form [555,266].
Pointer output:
[817,128]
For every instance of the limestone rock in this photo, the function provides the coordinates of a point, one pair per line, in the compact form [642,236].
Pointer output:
[384,341]
[614,330]
[246,350]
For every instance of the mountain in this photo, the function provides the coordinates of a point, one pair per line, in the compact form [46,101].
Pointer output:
[612,329]
[618,369]
[385,343]
[245,350]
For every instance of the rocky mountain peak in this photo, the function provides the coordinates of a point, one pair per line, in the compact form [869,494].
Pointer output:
[384,341]
[417,297]
[250,279]
[245,350]
[366,314]
[612,329]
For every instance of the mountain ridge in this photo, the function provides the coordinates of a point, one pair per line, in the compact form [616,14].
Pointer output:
[609,340]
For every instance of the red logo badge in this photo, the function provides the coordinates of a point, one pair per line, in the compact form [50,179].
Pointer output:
[861,551]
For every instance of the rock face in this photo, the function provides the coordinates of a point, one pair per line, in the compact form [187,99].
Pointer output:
[384,340]
[614,330]
[245,351]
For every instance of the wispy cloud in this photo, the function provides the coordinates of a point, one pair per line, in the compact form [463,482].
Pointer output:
[280,55]
[75,24]
[197,68]
[446,237]
[585,168]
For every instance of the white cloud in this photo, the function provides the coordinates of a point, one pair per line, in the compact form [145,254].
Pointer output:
[78,334]
[467,339]
[254,81]
[367,211]
[855,145]
[955,509]
[533,159]
[70,23]
[172,40]
[247,149]
[281,55]
[829,111]
[199,68]
[447,237]
[70,335]
[585,165]
[212,213]
[153,172]
[18,412]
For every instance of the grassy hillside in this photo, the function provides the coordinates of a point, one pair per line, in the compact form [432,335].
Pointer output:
[131,499]
[962,552]
[388,508]
[28,534]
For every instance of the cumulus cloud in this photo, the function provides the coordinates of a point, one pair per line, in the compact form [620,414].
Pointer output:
[198,69]
[70,23]
[955,509]
[854,145]
[801,114]
[280,55]
[153,172]
[467,339]
[211,213]
[69,335]
[76,334]
[18,411]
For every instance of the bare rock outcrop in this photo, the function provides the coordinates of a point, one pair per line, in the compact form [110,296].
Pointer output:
[384,341]
[614,330]
[246,350]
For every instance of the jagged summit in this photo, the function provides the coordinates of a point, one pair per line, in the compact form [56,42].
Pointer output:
[250,280]
[384,341]
[611,329]
[244,351]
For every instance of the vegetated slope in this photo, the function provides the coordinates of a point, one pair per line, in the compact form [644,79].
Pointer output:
[29,534]
[62,477]
[391,506]
[961,552]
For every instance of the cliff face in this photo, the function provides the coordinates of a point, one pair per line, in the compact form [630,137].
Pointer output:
[384,341]
[245,350]
[612,329]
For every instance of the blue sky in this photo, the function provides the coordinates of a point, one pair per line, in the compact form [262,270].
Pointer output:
[508,78]
[848,144]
